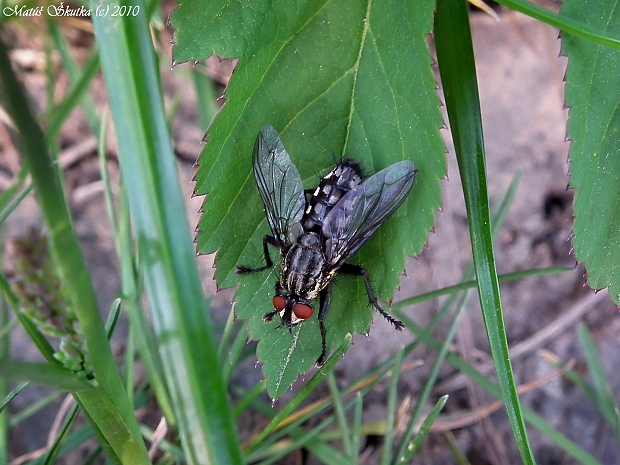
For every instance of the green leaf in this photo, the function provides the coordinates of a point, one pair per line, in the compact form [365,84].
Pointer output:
[593,96]
[224,27]
[340,79]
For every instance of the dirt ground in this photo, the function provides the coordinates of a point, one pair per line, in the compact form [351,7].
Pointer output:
[520,74]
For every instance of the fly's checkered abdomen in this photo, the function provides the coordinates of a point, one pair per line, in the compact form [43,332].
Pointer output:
[344,177]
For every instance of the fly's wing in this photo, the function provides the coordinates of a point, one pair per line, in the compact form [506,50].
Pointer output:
[360,212]
[279,185]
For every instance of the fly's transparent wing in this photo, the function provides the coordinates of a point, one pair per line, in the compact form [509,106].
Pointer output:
[280,186]
[360,212]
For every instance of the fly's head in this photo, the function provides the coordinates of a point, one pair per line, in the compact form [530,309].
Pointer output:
[291,308]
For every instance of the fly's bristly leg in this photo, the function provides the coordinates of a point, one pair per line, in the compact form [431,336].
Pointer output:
[267,317]
[324,305]
[356,270]
[240,269]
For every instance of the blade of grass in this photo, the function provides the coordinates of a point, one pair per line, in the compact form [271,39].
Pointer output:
[281,443]
[249,397]
[4,385]
[10,198]
[52,453]
[281,450]
[457,453]
[205,96]
[432,377]
[563,23]
[227,334]
[317,446]
[11,395]
[455,58]
[73,441]
[464,286]
[388,440]
[130,366]
[497,221]
[34,407]
[424,429]
[610,414]
[173,110]
[60,113]
[113,316]
[604,395]
[47,375]
[234,351]
[179,310]
[144,337]
[356,431]
[92,456]
[49,73]
[105,178]
[74,74]
[7,328]
[139,328]
[481,379]
[340,415]
[73,272]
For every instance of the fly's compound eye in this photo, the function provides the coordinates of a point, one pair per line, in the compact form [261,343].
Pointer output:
[302,311]
[279,303]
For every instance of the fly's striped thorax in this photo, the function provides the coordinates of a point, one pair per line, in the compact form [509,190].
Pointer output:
[344,177]
[303,267]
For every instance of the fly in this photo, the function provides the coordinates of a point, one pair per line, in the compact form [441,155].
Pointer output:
[316,237]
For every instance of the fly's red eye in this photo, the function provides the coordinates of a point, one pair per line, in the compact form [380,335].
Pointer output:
[279,303]
[302,311]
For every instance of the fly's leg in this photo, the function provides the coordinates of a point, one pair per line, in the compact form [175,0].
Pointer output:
[356,270]
[240,269]
[324,305]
